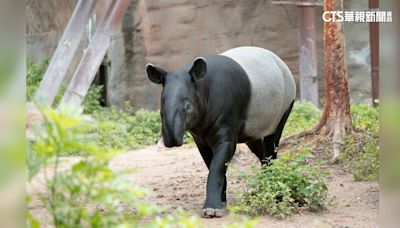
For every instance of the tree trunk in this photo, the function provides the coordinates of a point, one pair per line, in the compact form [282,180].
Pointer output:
[336,118]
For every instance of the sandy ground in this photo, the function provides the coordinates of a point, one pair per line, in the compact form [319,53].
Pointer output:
[178,176]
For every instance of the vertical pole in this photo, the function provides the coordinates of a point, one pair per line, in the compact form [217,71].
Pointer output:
[374,45]
[64,53]
[308,53]
[94,53]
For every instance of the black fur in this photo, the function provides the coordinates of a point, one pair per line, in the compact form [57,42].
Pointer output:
[224,93]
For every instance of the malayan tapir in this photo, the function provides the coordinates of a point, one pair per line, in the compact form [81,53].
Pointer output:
[243,95]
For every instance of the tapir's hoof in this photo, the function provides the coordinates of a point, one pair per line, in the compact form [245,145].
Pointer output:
[213,213]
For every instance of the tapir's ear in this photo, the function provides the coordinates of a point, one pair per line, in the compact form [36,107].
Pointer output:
[155,74]
[199,68]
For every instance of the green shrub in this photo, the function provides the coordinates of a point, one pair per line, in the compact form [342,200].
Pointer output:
[361,157]
[147,128]
[34,77]
[179,219]
[361,150]
[365,117]
[120,129]
[88,193]
[290,182]
[92,99]
[360,153]
[304,115]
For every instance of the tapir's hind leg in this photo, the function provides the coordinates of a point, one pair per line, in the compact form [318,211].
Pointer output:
[271,142]
[279,129]
[257,147]
[265,149]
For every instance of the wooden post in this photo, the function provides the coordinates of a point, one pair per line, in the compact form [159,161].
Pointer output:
[64,53]
[94,54]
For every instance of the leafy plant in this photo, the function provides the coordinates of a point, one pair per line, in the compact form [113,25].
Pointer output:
[180,219]
[365,117]
[304,115]
[360,155]
[88,193]
[290,182]
[361,150]
[120,129]
[92,99]
[30,221]
[35,75]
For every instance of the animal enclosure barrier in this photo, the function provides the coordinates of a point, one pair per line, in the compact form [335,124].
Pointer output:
[65,51]
[92,56]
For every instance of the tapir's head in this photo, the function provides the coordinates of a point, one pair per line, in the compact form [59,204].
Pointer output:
[179,99]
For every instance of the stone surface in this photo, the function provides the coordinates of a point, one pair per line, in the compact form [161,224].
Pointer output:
[127,80]
[46,21]
[358,55]
[174,32]
[171,33]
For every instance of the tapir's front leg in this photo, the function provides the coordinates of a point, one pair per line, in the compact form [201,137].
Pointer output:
[223,152]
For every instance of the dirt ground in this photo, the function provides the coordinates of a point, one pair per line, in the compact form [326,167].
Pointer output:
[178,177]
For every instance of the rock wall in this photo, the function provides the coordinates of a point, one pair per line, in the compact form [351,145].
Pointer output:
[45,20]
[127,80]
[45,24]
[358,55]
[171,33]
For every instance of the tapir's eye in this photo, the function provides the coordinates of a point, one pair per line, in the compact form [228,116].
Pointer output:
[188,106]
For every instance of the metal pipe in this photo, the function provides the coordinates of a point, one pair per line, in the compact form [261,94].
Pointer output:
[374,45]
[297,3]
[308,53]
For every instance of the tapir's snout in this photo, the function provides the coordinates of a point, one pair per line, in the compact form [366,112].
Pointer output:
[172,131]
[172,142]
